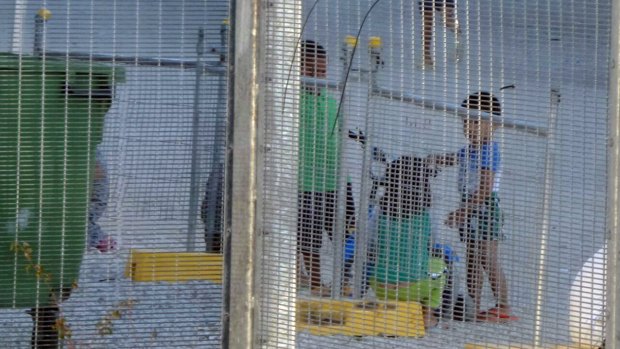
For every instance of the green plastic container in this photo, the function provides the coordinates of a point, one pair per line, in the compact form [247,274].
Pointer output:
[52,114]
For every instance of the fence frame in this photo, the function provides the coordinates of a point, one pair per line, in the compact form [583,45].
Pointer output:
[242,170]
[613,187]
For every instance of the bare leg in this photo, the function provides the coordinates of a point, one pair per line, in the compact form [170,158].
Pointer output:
[302,274]
[475,272]
[497,279]
[312,261]
[427,36]
[450,20]
[452,23]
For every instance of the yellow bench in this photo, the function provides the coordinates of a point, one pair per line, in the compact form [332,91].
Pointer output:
[174,266]
[528,346]
[324,317]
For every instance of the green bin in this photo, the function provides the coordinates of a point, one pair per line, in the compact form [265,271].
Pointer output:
[52,113]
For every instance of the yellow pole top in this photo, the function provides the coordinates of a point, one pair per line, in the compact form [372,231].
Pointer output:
[225,21]
[44,13]
[374,42]
[350,40]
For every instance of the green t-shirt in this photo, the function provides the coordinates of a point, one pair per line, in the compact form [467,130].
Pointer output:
[403,248]
[318,142]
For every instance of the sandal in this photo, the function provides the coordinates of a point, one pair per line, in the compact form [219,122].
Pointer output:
[496,315]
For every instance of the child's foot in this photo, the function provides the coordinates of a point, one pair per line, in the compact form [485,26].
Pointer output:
[496,315]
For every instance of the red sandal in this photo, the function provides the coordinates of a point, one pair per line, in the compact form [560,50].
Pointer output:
[496,315]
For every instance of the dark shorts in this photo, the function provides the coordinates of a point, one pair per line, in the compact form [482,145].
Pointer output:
[317,214]
[485,223]
[437,5]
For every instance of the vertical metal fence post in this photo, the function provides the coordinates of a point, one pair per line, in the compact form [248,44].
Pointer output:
[216,176]
[242,171]
[364,231]
[39,31]
[194,186]
[277,171]
[547,200]
[613,188]
[340,226]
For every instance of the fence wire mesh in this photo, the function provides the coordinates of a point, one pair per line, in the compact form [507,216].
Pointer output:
[112,147]
[432,173]
[448,154]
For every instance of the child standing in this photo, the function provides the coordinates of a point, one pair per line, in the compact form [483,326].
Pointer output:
[479,218]
[318,164]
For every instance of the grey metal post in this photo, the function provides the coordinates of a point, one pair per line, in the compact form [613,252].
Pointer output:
[194,186]
[339,227]
[613,188]
[277,241]
[547,201]
[224,41]
[243,168]
[216,176]
[363,233]
[39,31]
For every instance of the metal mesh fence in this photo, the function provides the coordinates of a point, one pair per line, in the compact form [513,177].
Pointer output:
[428,174]
[115,115]
[470,138]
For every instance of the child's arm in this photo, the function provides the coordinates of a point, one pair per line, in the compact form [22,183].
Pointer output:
[442,159]
[484,191]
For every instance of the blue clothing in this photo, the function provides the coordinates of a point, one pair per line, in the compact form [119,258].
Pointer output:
[484,221]
[473,159]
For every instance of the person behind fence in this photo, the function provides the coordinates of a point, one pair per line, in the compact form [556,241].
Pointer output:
[100,193]
[404,269]
[428,9]
[318,164]
[479,218]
